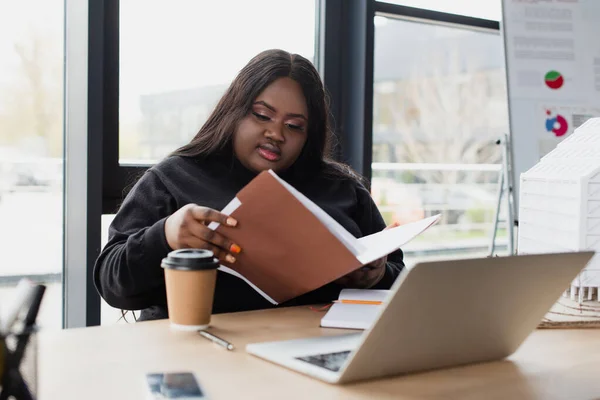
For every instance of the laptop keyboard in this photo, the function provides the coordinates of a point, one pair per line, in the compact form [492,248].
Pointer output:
[330,361]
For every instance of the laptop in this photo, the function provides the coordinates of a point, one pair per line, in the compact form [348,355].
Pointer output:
[439,314]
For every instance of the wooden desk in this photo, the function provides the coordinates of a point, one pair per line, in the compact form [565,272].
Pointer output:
[110,362]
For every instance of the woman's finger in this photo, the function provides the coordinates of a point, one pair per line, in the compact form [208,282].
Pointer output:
[208,215]
[218,252]
[393,225]
[210,236]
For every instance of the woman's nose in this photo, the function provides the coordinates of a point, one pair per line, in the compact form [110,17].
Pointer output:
[275,132]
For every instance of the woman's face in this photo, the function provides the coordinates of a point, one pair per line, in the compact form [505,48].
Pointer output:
[273,134]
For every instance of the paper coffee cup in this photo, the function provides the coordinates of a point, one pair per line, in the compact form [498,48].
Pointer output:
[190,277]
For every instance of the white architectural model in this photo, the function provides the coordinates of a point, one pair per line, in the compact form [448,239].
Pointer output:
[559,205]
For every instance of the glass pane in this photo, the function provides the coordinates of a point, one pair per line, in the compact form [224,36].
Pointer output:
[487,9]
[178,58]
[439,107]
[31,150]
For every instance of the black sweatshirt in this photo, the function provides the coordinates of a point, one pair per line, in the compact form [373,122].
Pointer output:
[128,274]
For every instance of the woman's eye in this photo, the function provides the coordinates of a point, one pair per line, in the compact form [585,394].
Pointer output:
[260,116]
[295,127]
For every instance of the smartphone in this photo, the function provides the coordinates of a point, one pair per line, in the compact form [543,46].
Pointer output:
[174,385]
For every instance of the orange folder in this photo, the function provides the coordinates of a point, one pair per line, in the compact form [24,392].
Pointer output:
[290,246]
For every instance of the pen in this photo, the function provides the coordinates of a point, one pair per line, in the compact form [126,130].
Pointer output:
[370,302]
[216,340]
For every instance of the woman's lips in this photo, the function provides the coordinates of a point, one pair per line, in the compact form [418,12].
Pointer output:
[269,154]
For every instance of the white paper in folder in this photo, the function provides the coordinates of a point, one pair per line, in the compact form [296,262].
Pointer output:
[354,316]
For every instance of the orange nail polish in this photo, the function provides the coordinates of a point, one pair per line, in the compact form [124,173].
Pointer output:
[235,248]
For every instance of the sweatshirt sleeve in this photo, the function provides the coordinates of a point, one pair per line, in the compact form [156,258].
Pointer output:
[370,221]
[127,274]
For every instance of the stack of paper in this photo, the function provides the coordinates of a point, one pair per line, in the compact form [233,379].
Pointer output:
[355,309]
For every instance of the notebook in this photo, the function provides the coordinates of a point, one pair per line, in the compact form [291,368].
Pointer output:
[354,316]
[290,246]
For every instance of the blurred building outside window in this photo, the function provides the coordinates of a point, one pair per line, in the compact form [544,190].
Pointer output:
[31,150]
[439,106]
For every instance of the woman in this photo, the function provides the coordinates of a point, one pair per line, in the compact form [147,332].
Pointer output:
[273,116]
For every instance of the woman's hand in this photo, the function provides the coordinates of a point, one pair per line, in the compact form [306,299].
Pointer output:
[188,228]
[367,276]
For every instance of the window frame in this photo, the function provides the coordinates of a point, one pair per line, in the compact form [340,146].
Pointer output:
[431,16]
[116,177]
[83,126]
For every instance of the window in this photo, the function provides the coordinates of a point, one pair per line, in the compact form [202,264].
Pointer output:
[439,106]
[178,57]
[31,150]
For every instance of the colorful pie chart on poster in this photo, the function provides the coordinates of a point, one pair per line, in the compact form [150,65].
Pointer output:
[554,80]
[556,124]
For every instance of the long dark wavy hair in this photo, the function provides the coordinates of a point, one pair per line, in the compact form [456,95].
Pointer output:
[215,136]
